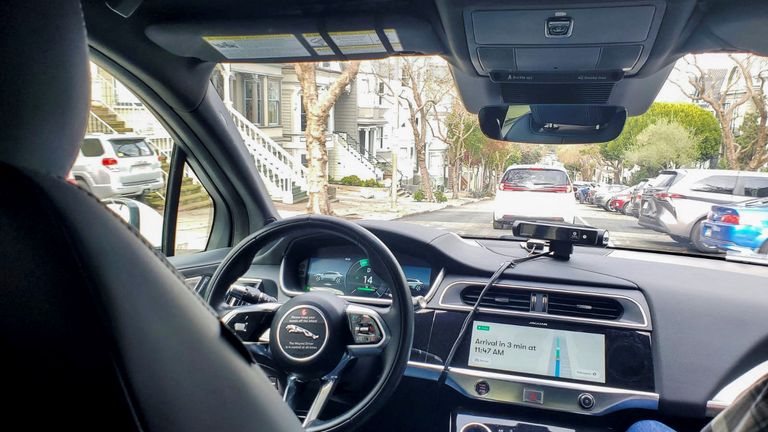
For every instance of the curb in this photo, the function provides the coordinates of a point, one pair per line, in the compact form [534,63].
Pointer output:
[473,200]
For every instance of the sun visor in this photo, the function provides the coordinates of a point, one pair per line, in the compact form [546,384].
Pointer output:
[287,40]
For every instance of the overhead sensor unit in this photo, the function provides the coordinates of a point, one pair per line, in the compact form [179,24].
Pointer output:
[589,37]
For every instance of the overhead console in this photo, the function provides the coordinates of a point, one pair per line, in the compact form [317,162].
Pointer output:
[592,45]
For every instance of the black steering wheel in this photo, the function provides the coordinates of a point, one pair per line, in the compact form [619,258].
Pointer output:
[315,336]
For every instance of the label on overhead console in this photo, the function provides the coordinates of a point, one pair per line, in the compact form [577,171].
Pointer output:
[257,46]
[358,42]
[394,39]
[317,43]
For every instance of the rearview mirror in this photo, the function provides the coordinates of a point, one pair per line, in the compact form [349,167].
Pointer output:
[552,124]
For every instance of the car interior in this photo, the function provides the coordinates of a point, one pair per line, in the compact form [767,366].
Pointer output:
[102,330]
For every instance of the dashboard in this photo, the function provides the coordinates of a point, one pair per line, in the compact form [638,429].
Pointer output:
[609,337]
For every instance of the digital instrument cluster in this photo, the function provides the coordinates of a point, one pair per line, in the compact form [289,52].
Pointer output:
[352,275]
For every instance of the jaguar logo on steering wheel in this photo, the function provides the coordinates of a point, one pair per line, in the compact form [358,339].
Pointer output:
[292,328]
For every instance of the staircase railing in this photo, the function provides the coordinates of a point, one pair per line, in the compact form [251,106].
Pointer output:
[353,149]
[278,165]
[97,125]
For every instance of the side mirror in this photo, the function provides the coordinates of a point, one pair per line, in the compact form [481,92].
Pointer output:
[552,124]
[127,210]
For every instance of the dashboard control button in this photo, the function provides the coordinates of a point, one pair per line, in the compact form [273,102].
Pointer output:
[364,328]
[482,388]
[586,401]
[533,396]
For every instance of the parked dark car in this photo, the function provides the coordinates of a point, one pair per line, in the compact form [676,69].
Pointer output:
[637,194]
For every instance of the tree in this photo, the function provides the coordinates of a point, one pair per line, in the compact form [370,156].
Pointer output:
[664,145]
[459,131]
[424,83]
[581,161]
[727,90]
[317,108]
[751,133]
[694,118]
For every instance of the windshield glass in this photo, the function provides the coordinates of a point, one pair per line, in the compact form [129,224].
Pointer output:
[131,147]
[390,139]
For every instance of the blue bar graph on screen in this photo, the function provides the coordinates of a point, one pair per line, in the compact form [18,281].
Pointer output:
[557,356]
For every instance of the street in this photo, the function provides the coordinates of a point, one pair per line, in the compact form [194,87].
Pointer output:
[475,220]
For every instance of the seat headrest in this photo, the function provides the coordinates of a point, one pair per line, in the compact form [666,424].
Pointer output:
[44,83]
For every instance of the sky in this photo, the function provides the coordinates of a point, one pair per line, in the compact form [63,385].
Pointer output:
[670,93]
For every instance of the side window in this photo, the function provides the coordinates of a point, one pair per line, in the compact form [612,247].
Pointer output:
[718,184]
[195,217]
[755,186]
[131,171]
[92,148]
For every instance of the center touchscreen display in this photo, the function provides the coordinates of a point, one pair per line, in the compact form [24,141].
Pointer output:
[539,351]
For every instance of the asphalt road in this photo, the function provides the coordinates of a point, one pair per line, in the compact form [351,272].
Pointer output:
[475,220]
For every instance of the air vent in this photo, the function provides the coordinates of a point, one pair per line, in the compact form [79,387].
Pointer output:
[572,93]
[498,298]
[582,306]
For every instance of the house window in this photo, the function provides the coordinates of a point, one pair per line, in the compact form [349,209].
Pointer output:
[273,102]
[303,114]
[381,137]
[253,99]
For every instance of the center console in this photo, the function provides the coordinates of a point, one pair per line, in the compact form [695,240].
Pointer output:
[563,366]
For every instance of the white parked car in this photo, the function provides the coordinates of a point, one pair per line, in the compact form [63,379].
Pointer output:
[533,192]
[117,165]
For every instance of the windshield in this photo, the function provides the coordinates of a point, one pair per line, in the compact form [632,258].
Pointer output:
[534,178]
[131,147]
[390,139]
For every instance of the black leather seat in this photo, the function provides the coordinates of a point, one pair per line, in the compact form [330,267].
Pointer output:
[97,331]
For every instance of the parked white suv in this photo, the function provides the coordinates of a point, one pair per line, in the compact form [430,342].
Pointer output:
[533,192]
[679,200]
[117,165]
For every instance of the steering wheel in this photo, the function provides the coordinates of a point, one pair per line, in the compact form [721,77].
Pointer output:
[315,336]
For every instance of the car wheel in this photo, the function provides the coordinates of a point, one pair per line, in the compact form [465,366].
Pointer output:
[498,225]
[83,185]
[625,209]
[338,280]
[697,242]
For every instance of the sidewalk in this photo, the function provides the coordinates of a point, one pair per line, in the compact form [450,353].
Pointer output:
[350,204]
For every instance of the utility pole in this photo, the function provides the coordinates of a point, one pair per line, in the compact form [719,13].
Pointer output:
[395,180]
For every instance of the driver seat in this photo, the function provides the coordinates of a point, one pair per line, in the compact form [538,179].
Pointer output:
[98,331]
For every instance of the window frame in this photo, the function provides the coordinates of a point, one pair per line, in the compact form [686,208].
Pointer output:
[741,186]
[96,140]
[225,224]
[733,190]
[269,100]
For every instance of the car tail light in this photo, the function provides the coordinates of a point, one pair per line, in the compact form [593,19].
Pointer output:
[511,187]
[665,196]
[732,219]
[109,162]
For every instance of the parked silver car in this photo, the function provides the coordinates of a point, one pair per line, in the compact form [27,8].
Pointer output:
[117,165]
[679,200]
